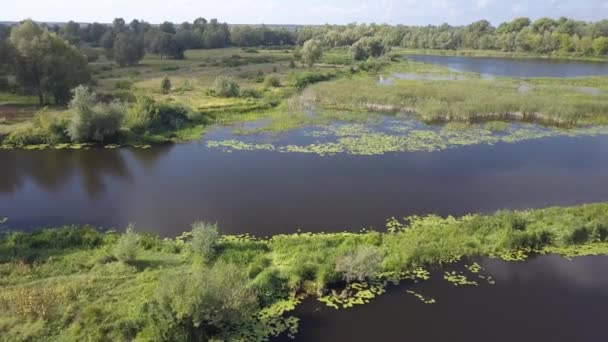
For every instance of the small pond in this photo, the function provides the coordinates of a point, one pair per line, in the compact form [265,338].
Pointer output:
[517,67]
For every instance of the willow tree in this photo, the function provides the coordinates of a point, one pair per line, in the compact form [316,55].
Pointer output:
[46,64]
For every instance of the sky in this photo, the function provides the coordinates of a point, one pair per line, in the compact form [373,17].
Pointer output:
[409,12]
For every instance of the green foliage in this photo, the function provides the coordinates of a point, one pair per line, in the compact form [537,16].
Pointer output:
[45,64]
[147,115]
[303,79]
[123,84]
[367,47]
[251,93]
[226,86]
[197,304]
[272,81]
[600,46]
[128,49]
[204,242]
[126,247]
[165,85]
[311,52]
[359,264]
[92,121]
[243,293]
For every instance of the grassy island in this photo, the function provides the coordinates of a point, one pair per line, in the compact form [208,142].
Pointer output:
[81,283]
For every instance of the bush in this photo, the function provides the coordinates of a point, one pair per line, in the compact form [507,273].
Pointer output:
[126,247]
[225,86]
[92,121]
[165,85]
[272,81]
[190,304]
[123,84]
[54,127]
[304,79]
[146,115]
[360,264]
[205,237]
[253,93]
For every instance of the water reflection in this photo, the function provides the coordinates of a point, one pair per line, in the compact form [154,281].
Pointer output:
[53,170]
[163,190]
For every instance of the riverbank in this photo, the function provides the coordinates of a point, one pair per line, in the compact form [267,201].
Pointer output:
[82,283]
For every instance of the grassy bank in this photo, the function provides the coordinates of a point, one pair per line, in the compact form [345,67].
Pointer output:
[78,283]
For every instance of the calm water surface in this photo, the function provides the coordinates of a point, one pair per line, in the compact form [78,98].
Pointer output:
[517,67]
[165,189]
[545,299]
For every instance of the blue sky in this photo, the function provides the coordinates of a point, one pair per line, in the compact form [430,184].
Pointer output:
[414,12]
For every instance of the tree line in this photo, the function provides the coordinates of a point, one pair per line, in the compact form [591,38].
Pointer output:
[544,35]
[48,61]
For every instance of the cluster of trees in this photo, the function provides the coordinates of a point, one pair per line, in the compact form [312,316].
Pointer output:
[248,36]
[544,35]
[127,44]
[42,62]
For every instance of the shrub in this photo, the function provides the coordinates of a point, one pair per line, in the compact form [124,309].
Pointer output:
[146,115]
[165,85]
[304,79]
[92,121]
[190,304]
[126,247]
[123,84]
[205,237]
[253,93]
[360,264]
[53,126]
[225,86]
[272,81]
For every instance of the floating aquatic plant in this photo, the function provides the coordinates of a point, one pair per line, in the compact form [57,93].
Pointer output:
[404,135]
[422,298]
[458,279]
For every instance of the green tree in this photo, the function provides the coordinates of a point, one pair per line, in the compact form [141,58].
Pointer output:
[129,49]
[45,63]
[71,32]
[600,46]
[367,47]
[165,85]
[311,52]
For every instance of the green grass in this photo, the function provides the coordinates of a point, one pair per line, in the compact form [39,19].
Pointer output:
[66,284]
[555,101]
